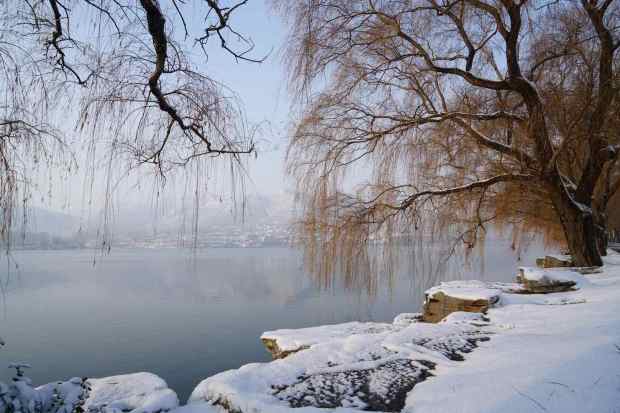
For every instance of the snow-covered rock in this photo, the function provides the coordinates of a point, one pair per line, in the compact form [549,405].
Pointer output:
[135,393]
[555,260]
[469,296]
[69,394]
[130,393]
[537,280]
[281,343]
[404,319]
[373,369]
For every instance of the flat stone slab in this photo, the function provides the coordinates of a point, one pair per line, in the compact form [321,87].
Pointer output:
[544,281]
[469,296]
[554,261]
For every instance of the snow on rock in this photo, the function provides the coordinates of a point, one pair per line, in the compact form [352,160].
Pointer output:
[461,317]
[134,393]
[130,393]
[555,260]
[404,319]
[454,336]
[281,343]
[537,280]
[466,290]
[474,289]
[371,370]
[470,296]
[72,392]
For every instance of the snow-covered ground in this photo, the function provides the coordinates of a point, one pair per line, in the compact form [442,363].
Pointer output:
[544,358]
[555,352]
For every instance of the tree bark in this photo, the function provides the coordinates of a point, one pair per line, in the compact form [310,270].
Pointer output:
[581,226]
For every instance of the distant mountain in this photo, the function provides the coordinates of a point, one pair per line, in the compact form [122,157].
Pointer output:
[45,220]
[138,220]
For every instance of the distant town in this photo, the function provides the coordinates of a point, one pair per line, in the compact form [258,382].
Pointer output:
[213,236]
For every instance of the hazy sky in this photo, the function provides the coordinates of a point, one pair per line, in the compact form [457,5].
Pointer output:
[262,90]
[262,87]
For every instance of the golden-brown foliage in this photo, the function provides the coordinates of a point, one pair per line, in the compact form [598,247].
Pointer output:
[437,118]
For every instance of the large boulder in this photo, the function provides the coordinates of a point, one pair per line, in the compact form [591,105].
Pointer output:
[468,296]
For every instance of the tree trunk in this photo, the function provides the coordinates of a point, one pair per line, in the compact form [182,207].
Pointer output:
[603,234]
[582,233]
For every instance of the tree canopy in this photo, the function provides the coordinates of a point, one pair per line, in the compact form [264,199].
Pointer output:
[457,114]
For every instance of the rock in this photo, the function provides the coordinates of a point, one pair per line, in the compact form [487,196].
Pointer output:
[135,393]
[281,343]
[271,344]
[554,261]
[588,270]
[131,393]
[467,296]
[544,281]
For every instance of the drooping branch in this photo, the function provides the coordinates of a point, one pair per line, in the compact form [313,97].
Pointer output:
[54,41]
[223,16]
[156,27]
[485,183]
[497,146]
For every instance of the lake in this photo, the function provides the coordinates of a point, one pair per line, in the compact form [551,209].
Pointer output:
[180,315]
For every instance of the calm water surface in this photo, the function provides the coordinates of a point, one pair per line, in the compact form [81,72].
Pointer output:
[183,317]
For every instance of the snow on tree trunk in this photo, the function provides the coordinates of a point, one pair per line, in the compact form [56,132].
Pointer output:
[581,230]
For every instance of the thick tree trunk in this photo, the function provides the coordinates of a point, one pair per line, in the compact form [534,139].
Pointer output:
[582,232]
[603,235]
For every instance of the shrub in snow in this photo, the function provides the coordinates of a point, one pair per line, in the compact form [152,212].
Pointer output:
[62,397]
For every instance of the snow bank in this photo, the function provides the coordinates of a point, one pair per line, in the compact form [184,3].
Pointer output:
[543,357]
[135,393]
[371,370]
[129,393]
[283,342]
[199,408]
[405,319]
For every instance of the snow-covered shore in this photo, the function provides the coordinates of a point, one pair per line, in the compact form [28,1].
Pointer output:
[555,352]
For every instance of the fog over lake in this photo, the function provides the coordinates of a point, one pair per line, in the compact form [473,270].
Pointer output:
[180,315]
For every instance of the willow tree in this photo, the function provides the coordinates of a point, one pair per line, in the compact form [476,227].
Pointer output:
[447,116]
[133,74]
